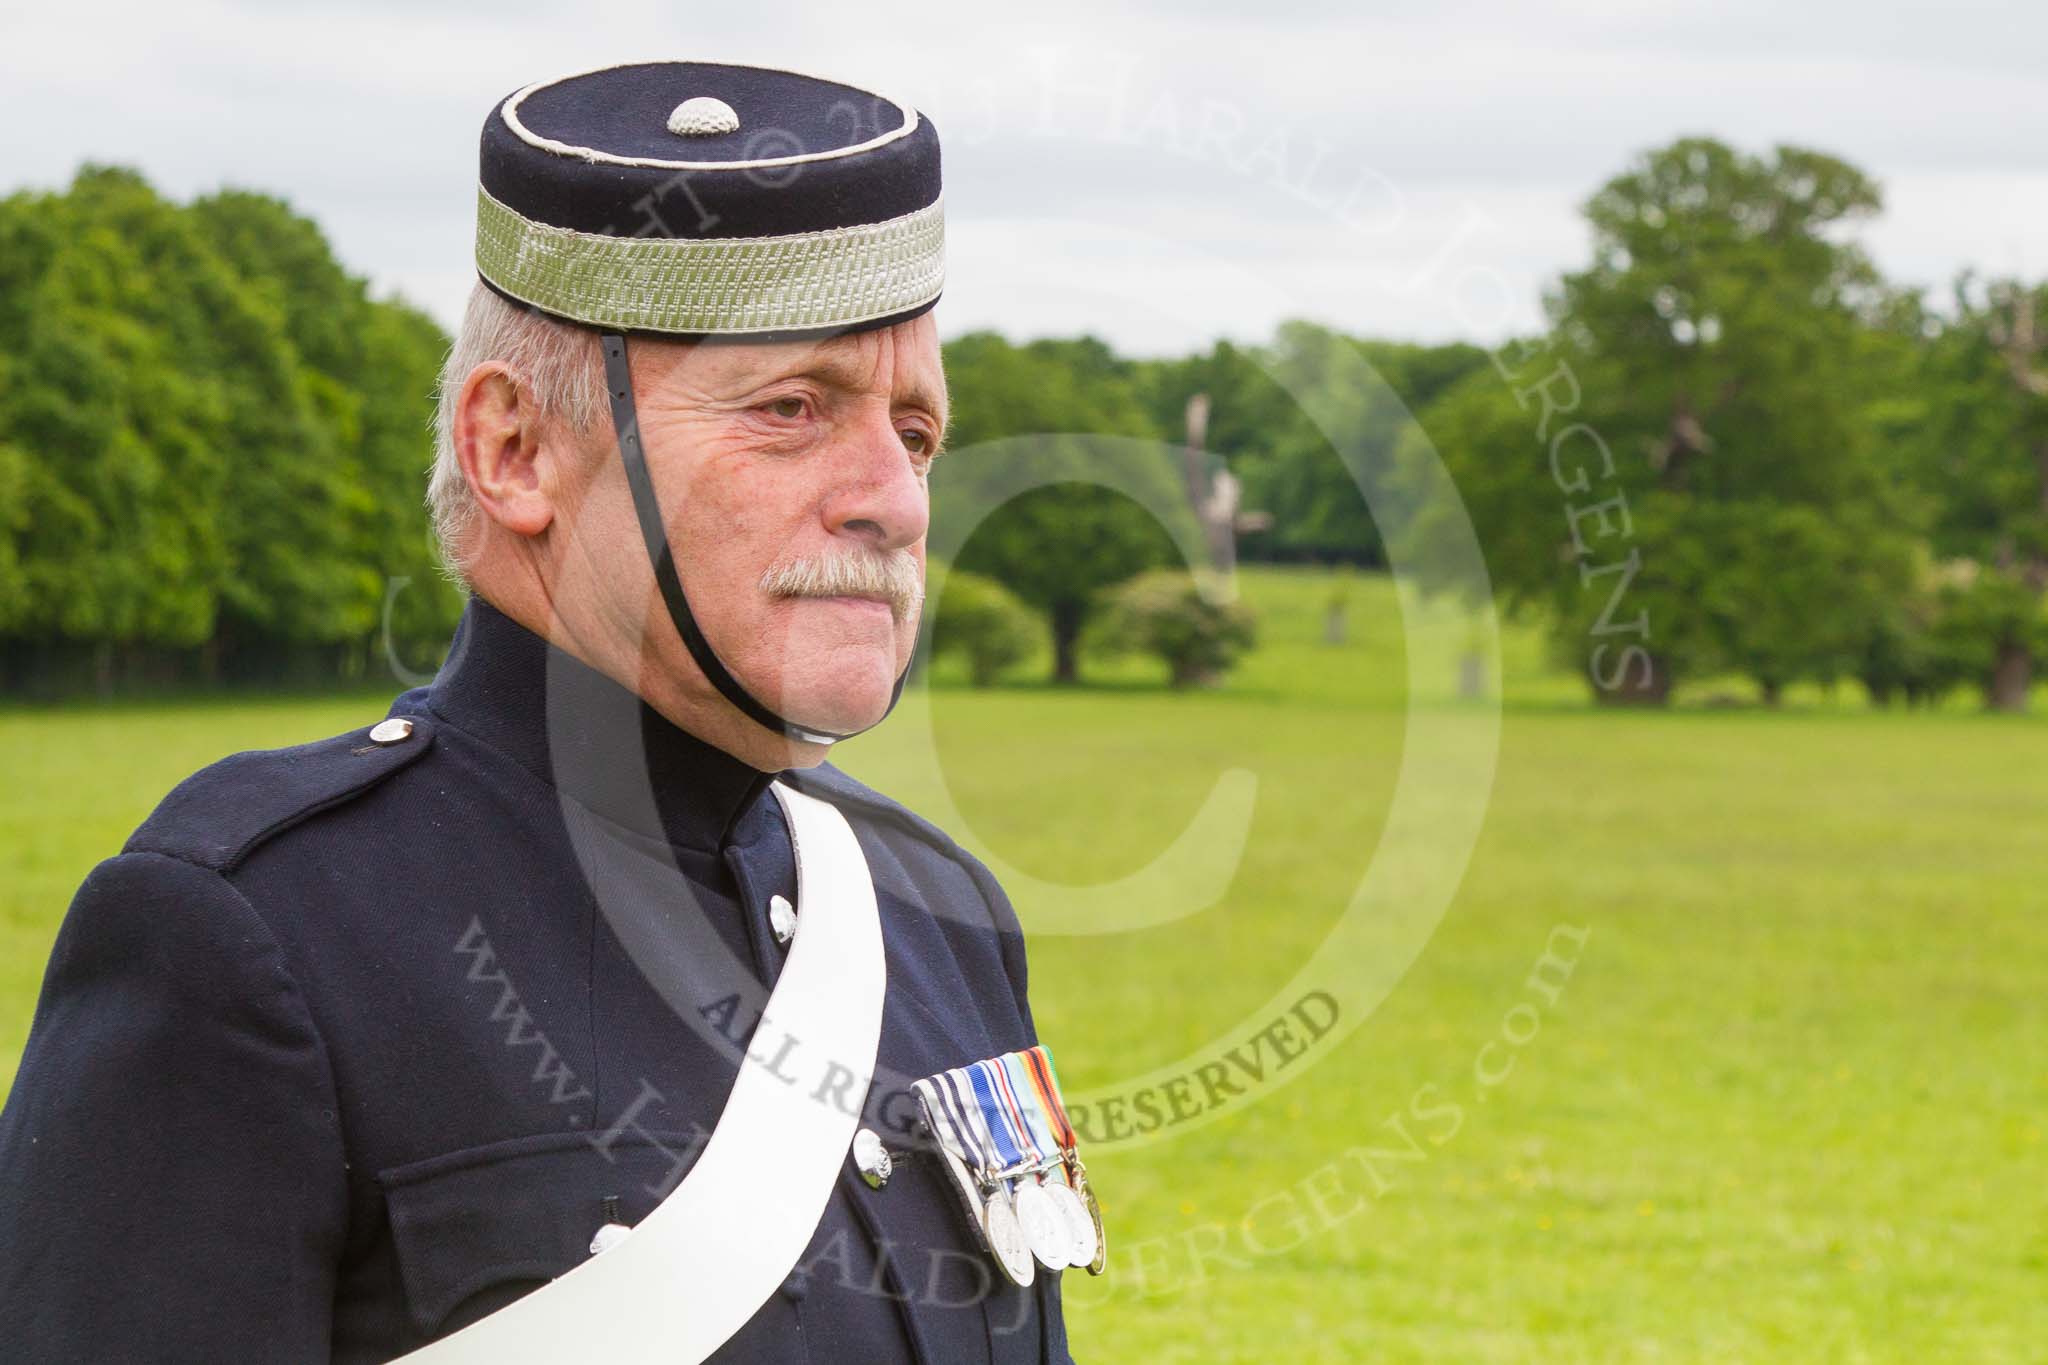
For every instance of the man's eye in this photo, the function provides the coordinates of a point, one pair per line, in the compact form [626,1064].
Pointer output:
[917,442]
[789,409]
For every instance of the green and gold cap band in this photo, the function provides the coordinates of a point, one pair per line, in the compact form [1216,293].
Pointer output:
[837,277]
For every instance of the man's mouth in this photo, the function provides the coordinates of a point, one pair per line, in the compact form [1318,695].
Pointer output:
[859,601]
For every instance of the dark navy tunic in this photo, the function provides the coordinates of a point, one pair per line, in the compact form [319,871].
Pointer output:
[355,1043]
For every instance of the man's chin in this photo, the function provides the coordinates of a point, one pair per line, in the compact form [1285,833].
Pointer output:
[838,706]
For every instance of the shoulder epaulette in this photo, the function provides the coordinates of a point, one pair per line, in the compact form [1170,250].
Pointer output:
[223,812]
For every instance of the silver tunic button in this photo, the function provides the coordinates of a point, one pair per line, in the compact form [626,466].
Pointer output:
[612,1232]
[872,1158]
[781,918]
[393,731]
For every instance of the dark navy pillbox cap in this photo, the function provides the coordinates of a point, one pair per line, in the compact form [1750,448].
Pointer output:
[698,198]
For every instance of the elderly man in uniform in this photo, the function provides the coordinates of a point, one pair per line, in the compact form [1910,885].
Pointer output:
[361,1047]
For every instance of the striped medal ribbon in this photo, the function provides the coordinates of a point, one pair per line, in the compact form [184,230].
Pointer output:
[1037,1064]
[949,1125]
[987,1088]
[1073,1193]
[1046,1228]
[988,1156]
[1028,1109]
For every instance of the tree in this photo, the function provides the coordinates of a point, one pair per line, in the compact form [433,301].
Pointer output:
[1322,504]
[368,368]
[119,423]
[1263,430]
[1684,470]
[1982,464]
[1064,539]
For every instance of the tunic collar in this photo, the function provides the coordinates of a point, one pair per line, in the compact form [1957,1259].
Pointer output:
[587,736]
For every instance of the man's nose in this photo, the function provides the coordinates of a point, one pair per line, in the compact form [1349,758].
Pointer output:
[880,498]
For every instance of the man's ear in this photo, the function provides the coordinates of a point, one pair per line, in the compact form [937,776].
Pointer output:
[497,439]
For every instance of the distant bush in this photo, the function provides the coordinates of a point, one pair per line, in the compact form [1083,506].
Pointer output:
[1962,624]
[1992,629]
[1165,614]
[981,621]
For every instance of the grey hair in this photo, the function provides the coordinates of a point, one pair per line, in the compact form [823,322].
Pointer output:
[557,363]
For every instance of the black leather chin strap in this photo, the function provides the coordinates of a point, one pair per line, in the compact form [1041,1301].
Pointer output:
[619,383]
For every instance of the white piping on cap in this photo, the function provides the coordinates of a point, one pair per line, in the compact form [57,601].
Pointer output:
[509,111]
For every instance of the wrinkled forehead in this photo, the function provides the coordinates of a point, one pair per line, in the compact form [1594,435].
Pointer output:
[902,362]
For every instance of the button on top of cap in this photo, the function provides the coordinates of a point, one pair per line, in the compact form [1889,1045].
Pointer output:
[703,116]
[391,731]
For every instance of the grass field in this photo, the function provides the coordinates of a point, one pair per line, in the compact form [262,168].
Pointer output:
[1791,1104]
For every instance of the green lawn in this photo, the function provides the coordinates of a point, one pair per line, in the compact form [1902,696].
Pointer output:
[1790,1103]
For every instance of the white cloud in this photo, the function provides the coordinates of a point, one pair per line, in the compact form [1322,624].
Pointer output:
[1156,174]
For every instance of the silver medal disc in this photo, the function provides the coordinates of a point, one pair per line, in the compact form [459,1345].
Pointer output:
[1080,1228]
[1006,1239]
[1044,1229]
[1094,1207]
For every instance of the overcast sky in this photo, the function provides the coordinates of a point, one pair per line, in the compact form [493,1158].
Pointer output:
[1157,174]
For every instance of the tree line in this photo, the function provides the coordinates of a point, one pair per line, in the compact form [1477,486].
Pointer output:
[1734,449]
[212,445]
[1739,450]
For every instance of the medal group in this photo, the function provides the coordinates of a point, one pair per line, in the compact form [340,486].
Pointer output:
[1007,1142]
